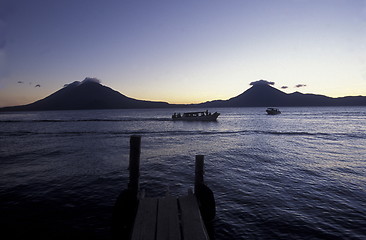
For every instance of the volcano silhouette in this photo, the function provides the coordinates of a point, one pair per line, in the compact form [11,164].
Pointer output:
[264,95]
[87,95]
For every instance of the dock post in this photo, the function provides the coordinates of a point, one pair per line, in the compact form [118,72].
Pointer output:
[134,164]
[204,194]
[198,172]
[125,208]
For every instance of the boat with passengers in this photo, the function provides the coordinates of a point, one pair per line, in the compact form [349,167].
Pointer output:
[196,116]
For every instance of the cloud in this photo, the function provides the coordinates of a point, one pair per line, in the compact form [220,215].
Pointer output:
[86,80]
[261,82]
[284,87]
[300,85]
[89,79]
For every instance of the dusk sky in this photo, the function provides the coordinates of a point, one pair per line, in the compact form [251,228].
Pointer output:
[182,51]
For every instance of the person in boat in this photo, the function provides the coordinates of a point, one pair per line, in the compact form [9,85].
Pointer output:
[175,115]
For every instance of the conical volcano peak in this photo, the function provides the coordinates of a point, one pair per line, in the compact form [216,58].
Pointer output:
[88,94]
[262,89]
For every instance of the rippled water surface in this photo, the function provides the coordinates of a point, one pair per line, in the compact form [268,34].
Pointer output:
[297,175]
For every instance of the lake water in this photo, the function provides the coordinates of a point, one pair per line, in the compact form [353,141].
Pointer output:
[297,175]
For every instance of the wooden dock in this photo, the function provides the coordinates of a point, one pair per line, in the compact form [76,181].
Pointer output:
[165,218]
[169,218]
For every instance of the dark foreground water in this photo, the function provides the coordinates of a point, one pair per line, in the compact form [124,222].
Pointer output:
[298,175]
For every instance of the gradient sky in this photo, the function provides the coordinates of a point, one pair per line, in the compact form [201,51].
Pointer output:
[182,51]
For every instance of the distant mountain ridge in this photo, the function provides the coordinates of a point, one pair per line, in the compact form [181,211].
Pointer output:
[90,94]
[264,95]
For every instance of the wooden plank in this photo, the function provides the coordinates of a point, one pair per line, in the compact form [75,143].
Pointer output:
[193,227]
[145,221]
[168,222]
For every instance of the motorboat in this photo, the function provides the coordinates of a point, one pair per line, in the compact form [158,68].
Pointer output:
[273,111]
[196,116]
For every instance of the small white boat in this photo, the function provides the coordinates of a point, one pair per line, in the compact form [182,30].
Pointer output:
[196,116]
[273,111]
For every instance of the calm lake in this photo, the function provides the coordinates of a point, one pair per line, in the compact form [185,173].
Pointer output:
[297,175]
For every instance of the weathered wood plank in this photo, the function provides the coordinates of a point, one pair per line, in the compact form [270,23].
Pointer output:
[168,222]
[145,221]
[193,227]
